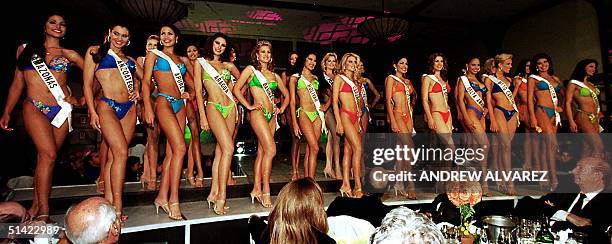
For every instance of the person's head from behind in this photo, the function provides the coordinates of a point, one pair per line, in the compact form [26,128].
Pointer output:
[402,225]
[591,174]
[92,221]
[297,212]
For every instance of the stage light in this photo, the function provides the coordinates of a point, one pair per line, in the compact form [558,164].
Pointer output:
[154,11]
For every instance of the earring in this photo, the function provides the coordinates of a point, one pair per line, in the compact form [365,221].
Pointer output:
[128,43]
[107,38]
[257,57]
[270,61]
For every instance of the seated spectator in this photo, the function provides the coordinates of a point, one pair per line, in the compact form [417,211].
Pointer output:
[298,216]
[587,211]
[347,229]
[402,225]
[13,212]
[92,221]
[369,208]
[445,207]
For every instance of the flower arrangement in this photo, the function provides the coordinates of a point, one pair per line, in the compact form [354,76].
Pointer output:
[465,195]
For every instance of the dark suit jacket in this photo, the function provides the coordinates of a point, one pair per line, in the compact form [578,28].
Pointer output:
[597,210]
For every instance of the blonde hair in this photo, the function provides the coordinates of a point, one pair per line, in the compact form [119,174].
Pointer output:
[489,65]
[153,37]
[254,52]
[325,58]
[501,58]
[341,66]
[297,212]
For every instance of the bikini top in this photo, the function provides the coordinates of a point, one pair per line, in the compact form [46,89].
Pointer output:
[585,92]
[108,62]
[255,82]
[301,84]
[58,64]
[347,88]
[477,87]
[497,89]
[437,88]
[163,66]
[224,74]
[523,86]
[543,86]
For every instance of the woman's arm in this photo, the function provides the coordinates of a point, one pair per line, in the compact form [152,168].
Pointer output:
[74,57]
[89,69]
[425,99]
[284,92]
[461,100]
[292,95]
[531,83]
[237,90]
[569,97]
[489,84]
[389,82]
[376,93]
[335,100]
[14,93]
[199,94]
[146,88]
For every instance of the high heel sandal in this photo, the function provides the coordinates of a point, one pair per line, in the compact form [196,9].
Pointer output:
[255,196]
[348,192]
[328,172]
[43,218]
[355,195]
[199,182]
[122,218]
[152,183]
[164,207]
[218,212]
[265,204]
[178,216]
[295,175]
[411,191]
[191,181]
[100,186]
[211,202]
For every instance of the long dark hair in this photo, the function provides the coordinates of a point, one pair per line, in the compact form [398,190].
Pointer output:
[177,33]
[105,44]
[467,64]
[208,48]
[395,61]
[521,69]
[36,46]
[299,65]
[533,67]
[579,71]
[430,65]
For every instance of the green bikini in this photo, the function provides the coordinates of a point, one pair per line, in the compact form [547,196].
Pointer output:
[227,77]
[273,86]
[312,115]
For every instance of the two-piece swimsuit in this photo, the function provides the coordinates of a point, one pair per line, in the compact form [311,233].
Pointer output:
[163,66]
[120,108]
[352,116]
[543,86]
[312,115]
[399,87]
[273,85]
[482,90]
[59,64]
[507,113]
[227,77]
[437,88]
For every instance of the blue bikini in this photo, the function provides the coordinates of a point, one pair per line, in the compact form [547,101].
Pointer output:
[58,64]
[543,86]
[507,113]
[163,66]
[120,108]
[477,88]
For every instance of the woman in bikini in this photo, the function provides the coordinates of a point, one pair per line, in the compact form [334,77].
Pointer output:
[471,94]
[400,100]
[584,117]
[308,119]
[214,73]
[543,93]
[262,82]
[504,115]
[194,155]
[295,141]
[368,85]
[114,113]
[149,168]
[347,92]
[48,105]
[332,147]
[434,92]
[168,70]
[530,145]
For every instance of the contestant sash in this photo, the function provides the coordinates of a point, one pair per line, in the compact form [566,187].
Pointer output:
[47,77]
[553,96]
[126,75]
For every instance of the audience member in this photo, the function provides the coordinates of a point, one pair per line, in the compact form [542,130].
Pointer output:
[347,229]
[298,216]
[402,225]
[92,221]
[369,208]
[587,211]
